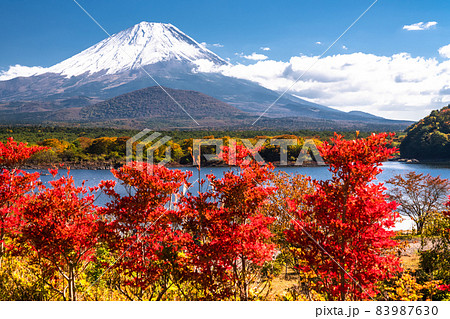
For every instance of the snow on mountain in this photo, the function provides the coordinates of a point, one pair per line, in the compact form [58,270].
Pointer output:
[143,44]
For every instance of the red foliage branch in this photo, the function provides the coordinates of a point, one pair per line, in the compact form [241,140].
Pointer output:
[60,225]
[14,186]
[231,235]
[143,231]
[348,217]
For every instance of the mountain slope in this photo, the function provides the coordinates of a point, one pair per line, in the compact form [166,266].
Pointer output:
[152,107]
[131,60]
[153,103]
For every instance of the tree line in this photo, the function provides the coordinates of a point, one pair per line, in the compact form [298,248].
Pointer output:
[75,146]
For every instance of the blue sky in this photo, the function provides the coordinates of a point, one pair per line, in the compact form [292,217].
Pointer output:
[46,32]
[387,64]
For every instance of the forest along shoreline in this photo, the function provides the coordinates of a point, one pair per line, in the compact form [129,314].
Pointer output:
[106,165]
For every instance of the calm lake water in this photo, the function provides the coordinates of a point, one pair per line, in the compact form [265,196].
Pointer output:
[390,169]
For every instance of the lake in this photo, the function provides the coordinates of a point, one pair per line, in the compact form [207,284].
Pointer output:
[390,169]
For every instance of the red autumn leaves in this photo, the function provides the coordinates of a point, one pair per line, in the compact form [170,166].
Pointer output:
[348,219]
[15,184]
[211,244]
[144,232]
[60,224]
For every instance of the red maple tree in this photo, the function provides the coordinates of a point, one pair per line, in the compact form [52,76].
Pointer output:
[143,230]
[60,225]
[343,237]
[231,234]
[14,185]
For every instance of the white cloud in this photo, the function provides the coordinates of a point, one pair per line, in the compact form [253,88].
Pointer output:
[215,45]
[319,43]
[420,26]
[20,70]
[344,47]
[265,48]
[255,56]
[399,86]
[445,51]
[204,65]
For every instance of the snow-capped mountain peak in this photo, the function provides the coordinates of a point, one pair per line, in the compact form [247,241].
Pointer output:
[143,44]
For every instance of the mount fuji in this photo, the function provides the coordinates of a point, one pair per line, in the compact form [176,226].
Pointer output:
[146,55]
[143,44]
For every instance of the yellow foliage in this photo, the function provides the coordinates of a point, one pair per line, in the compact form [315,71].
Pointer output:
[56,145]
[406,288]
[20,280]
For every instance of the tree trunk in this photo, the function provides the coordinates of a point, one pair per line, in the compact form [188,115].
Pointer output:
[71,280]
[344,212]
[286,277]
[244,294]
[419,226]
[161,293]
[1,255]
[2,247]
[342,282]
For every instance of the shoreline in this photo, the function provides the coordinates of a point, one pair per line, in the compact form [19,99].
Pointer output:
[416,161]
[116,165]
